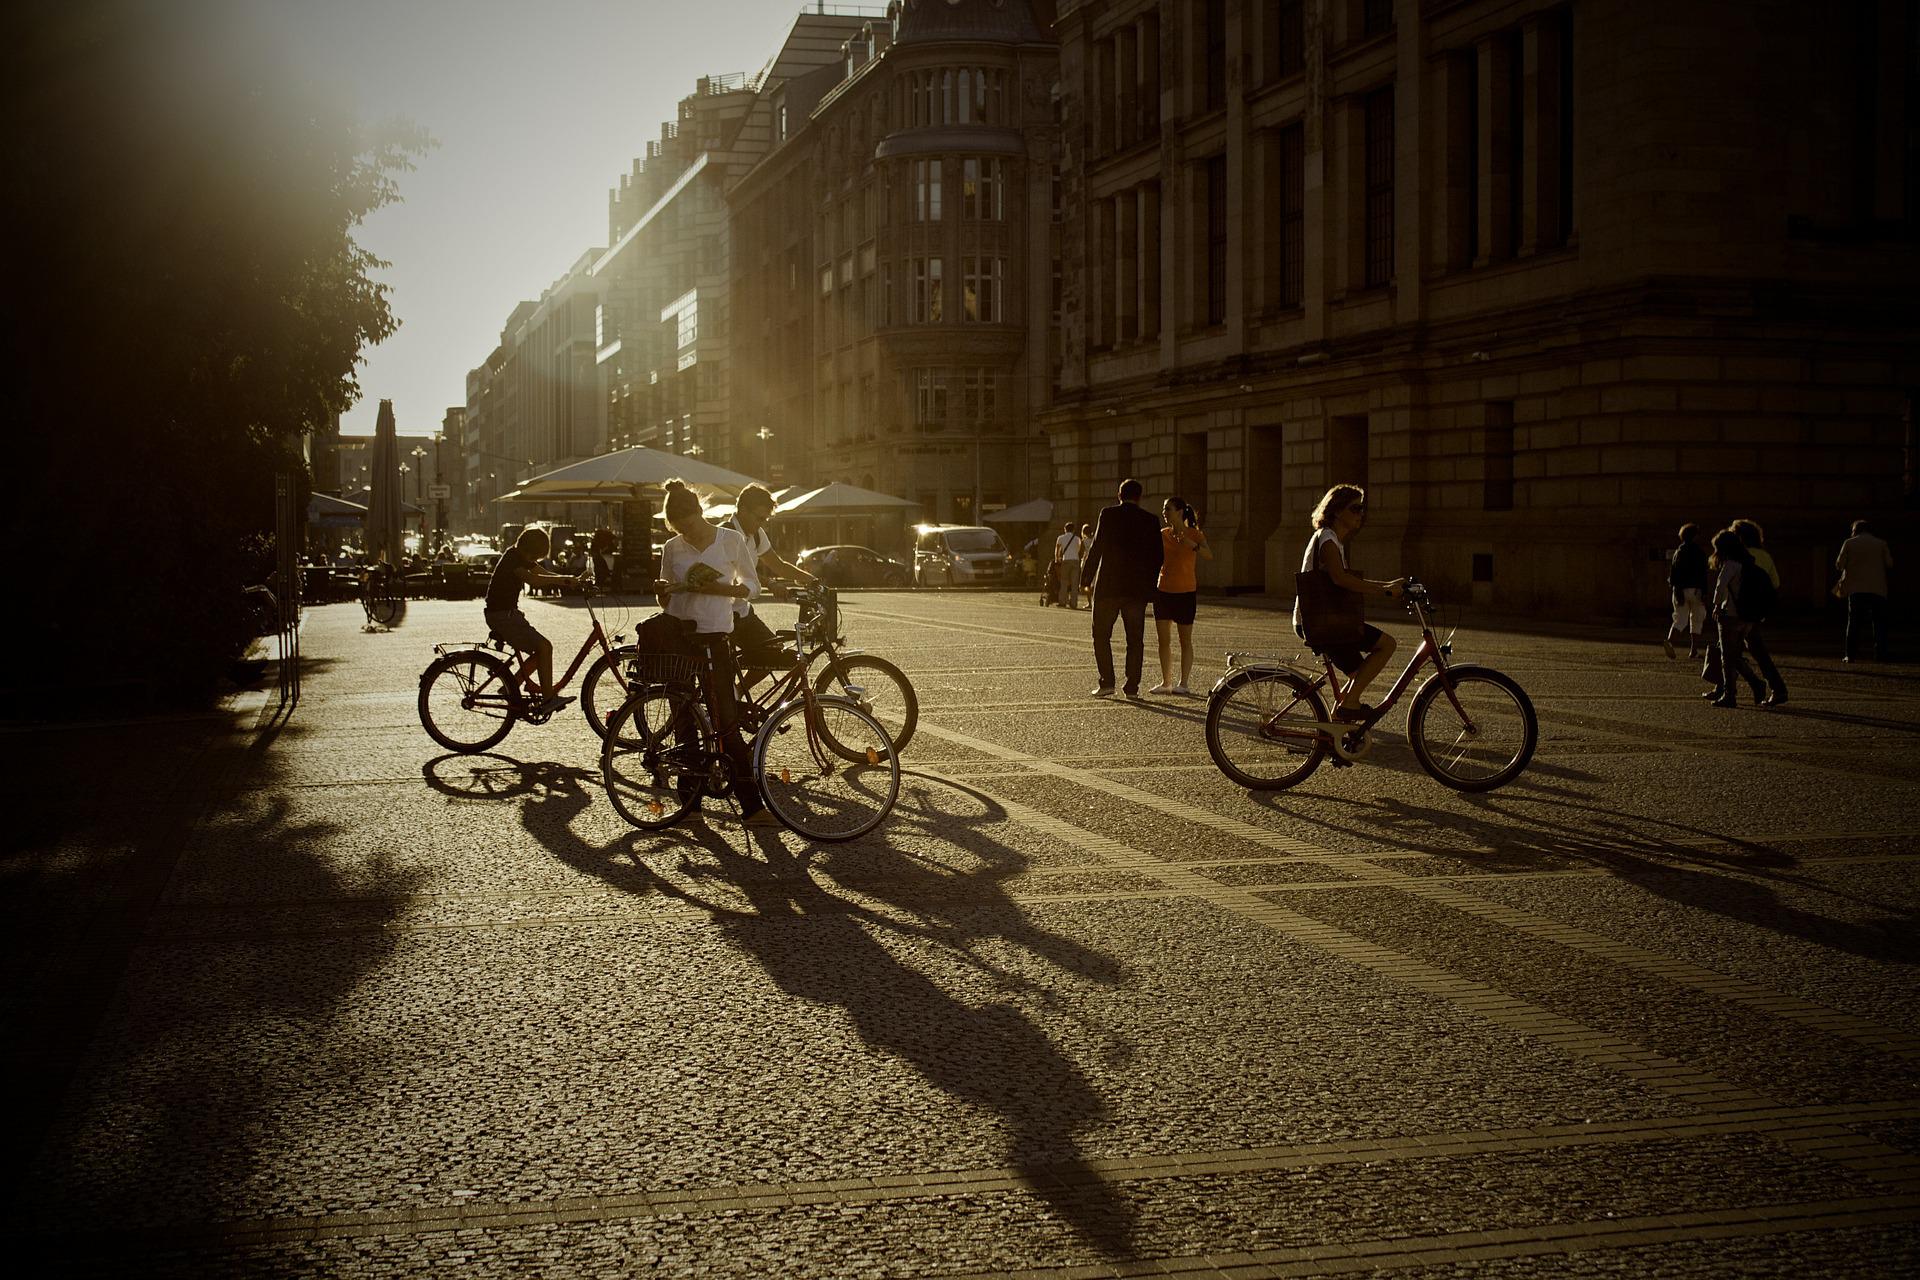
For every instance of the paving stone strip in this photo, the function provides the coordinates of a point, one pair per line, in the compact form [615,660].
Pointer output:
[1802,1128]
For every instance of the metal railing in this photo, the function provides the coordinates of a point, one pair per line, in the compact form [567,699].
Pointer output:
[289,526]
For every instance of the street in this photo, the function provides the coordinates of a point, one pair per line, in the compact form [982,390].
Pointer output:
[1081,1006]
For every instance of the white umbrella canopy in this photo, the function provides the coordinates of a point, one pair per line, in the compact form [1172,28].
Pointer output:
[839,499]
[383,496]
[624,474]
[1036,511]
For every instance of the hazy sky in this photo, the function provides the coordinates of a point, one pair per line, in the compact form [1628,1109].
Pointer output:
[538,106]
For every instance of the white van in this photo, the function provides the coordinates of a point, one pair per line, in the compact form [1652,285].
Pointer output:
[959,555]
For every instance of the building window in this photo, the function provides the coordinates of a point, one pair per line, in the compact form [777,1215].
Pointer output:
[982,189]
[926,191]
[929,398]
[1379,187]
[983,285]
[1214,69]
[886,294]
[1286,39]
[1216,170]
[1292,157]
[1376,16]
[979,396]
[926,291]
[826,281]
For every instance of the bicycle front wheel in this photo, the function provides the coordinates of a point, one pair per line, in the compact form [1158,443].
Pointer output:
[383,609]
[654,759]
[605,688]
[1261,729]
[885,693]
[466,701]
[1479,738]
[820,790]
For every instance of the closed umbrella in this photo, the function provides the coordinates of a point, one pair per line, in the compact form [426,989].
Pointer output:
[383,493]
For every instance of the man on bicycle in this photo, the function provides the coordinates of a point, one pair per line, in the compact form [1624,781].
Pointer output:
[520,568]
[751,636]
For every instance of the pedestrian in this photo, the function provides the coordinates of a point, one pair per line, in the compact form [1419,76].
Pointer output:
[1754,538]
[600,562]
[1863,563]
[1177,596]
[1066,553]
[1692,584]
[1731,564]
[1121,565]
[1342,510]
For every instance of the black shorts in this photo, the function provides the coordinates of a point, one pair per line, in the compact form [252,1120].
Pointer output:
[754,639]
[1348,657]
[1177,607]
[512,626]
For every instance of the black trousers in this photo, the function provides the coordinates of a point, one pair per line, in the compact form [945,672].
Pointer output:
[1133,616]
[1867,609]
[720,687]
[1757,646]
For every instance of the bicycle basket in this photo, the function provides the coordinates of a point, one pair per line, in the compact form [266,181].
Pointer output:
[820,621]
[650,669]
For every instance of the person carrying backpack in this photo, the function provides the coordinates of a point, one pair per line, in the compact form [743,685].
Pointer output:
[1759,596]
[1733,566]
[1692,584]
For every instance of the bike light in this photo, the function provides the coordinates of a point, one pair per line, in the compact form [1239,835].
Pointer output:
[1446,650]
[873,757]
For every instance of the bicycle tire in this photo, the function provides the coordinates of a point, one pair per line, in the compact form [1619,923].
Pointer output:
[1237,711]
[456,707]
[604,688]
[383,610]
[1501,744]
[654,758]
[813,789]
[890,698]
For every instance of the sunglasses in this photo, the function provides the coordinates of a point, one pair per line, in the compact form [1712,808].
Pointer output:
[1358,508]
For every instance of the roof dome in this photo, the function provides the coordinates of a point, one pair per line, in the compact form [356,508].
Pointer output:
[1002,21]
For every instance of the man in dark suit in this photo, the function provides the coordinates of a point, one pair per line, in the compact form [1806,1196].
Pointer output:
[1121,567]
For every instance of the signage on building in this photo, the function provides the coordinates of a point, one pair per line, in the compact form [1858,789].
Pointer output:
[439,491]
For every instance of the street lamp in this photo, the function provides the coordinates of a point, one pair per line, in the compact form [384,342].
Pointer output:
[419,492]
[763,435]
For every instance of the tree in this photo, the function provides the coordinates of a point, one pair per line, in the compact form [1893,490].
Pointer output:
[192,302]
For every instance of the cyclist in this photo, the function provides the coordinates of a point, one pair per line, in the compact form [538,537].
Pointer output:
[751,636]
[1338,517]
[704,572]
[520,568]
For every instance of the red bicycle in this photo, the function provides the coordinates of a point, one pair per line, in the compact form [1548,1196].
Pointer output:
[471,693]
[1472,728]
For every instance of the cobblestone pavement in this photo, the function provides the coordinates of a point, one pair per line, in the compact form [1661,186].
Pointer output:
[1080,1007]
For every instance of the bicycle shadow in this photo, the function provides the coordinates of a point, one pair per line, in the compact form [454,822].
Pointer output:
[853,943]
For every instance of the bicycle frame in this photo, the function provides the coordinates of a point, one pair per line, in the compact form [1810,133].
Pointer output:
[523,674]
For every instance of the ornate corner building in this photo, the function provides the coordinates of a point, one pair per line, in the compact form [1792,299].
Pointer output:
[1548,278]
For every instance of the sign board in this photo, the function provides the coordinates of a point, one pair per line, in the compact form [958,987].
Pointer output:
[439,491]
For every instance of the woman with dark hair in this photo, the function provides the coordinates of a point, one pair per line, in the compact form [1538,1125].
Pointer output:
[1730,561]
[703,570]
[1177,596]
[1335,521]
[1692,584]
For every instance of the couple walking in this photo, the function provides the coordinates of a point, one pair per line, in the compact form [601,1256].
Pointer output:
[1132,560]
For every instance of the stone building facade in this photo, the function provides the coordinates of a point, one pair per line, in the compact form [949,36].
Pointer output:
[893,256]
[1548,278]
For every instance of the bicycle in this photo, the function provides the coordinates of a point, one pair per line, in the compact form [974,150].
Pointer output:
[877,686]
[471,695]
[380,595]
[1471,728]
[824,767]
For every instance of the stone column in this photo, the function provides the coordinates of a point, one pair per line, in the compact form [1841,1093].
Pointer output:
[1149,195]
[1126,267]
[1541,39]
[1126,74]
[1495,151]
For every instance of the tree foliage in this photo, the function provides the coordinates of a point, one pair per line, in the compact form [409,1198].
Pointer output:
[191,301]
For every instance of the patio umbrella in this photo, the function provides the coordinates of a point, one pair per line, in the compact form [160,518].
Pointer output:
[614,477]
[837,501]
[324,511]
[383,491]
[1037,511]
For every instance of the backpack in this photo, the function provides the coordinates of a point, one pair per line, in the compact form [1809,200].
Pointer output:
[1757,594]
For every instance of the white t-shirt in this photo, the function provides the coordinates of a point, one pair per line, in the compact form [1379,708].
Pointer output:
[1067,546]
[1311,560]
[729,554]
[757,545]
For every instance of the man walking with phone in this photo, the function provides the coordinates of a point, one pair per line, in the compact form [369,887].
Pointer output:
[1122,566]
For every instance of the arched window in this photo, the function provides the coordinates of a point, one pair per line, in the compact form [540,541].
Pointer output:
[946,97]
[964,102]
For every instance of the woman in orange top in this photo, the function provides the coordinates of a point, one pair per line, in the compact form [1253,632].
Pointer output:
[1178,595]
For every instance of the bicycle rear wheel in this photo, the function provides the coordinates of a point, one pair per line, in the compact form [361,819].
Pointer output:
[1245,716]
[654,760]
[466,701]
[1490,746]
[826,792]
[885,693]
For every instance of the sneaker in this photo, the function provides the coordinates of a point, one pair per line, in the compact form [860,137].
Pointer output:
[1777,698]
[1102,691]
[1181,690]
[553,703]
[1133,695]
[1362,714]
[1667,644]
[1162,687]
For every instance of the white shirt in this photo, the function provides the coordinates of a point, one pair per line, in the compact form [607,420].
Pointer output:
[757,545]
[1067,546]
[1311,560]
[1863,564]
[729,554]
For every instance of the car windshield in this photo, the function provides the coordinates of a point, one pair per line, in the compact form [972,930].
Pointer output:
[974,540]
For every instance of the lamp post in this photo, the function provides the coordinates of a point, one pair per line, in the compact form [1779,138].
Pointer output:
[763,435]
[420,476]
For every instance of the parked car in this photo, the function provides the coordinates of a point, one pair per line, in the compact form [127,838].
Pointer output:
[846,566]
[959,555]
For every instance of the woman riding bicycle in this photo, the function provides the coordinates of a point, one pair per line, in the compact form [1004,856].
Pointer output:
[520,568]
[703,571]
[1338,517]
